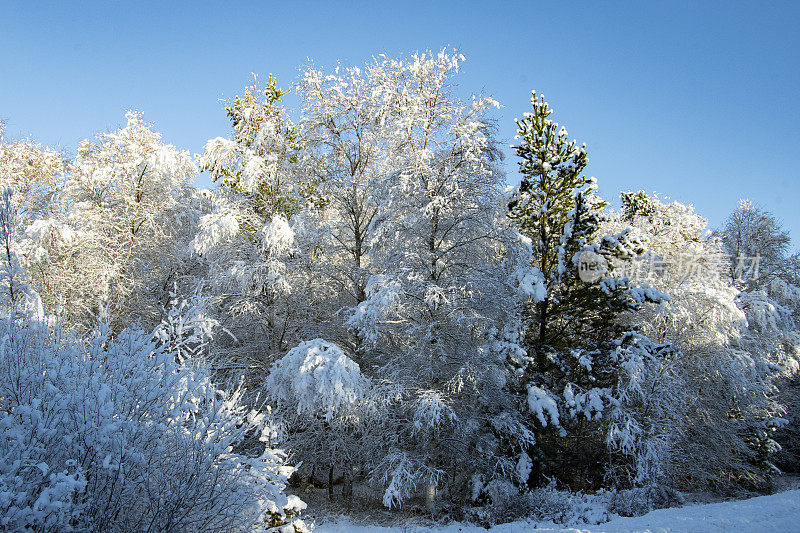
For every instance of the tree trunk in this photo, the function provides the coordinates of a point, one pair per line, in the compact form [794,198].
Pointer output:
[330,483]
[430,497]
[347,486]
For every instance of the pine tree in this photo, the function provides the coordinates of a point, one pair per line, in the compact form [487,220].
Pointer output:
[571,368]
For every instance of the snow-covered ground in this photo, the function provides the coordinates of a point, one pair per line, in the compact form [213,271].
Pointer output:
[775,513]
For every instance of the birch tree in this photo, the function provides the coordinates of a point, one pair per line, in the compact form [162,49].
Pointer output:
[127,212]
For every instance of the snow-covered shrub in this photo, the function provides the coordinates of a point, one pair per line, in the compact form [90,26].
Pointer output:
[317,378]
[325,405]
[115,435]
[505,503]
[642,500]
[568,508]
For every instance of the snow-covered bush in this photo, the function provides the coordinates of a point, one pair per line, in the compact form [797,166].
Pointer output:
[504,503]
[642,500]
[568,508]
[115,434]
[326,406]
[316,378]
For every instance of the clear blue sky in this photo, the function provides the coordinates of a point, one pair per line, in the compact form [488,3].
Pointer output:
[695,100]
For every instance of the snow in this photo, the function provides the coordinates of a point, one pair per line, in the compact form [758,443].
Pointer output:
[278,236]
[215,228]
[530,283]
[524,467]
[384,294]
[542,405]
[777,512]
[589,403]
[85,419]
[319,377]
[432,411]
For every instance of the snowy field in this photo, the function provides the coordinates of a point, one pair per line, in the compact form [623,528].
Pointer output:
[775,513]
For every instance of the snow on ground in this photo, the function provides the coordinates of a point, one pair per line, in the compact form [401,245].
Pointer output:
[774,513]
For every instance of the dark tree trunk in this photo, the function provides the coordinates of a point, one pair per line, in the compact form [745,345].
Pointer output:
[330,483]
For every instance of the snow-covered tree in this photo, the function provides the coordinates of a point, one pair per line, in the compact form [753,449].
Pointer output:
[646,412]
[396,259]
[345,116]
[432,246]
[30,180]
[761,266]
[570,369]
[757,245]
[16,293]
[249,240]
[726,379]
[326,406]
[35,174]
[257,161]
[121,235]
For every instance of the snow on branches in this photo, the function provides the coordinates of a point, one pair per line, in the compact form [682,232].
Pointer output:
[317,379]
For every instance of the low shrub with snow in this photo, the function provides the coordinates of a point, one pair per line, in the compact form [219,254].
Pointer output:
[642,500]
[114,434]
[506,503]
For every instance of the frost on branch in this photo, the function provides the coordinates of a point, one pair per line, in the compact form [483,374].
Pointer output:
[527,279]
[16,294]
[384,295]
[404,473]
[646,409]
[278,237]
[432,412]
[217,155]
[215,228]
[186,330]
[589,403]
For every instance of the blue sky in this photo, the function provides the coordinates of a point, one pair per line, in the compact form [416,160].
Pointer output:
[695,100]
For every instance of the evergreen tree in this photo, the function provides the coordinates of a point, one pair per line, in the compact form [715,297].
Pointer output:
[569,328]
